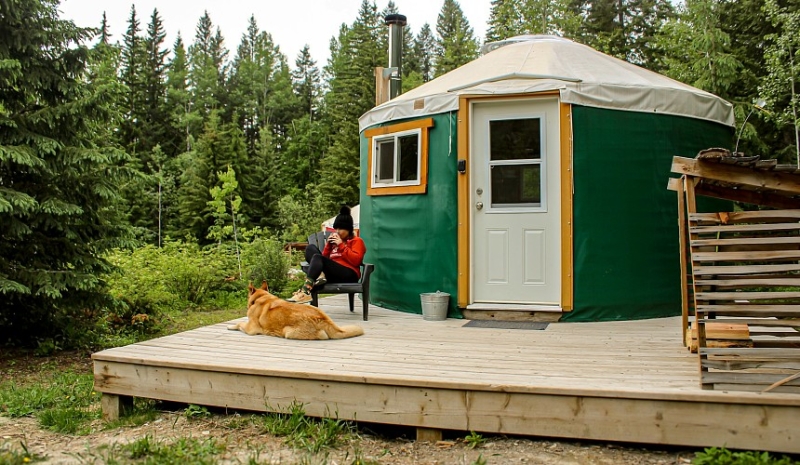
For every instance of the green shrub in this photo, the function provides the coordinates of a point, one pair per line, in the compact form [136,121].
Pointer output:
[301,214]
[722,456]
[265,260]
[180,274]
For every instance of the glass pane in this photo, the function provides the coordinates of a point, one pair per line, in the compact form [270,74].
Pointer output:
[409,157]
[385,158]
[515,139]
[517,185]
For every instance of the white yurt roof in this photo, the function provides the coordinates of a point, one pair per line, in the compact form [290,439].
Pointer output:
[582,75]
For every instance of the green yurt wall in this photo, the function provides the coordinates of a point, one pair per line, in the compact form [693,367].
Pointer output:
[412,238]
[625,220]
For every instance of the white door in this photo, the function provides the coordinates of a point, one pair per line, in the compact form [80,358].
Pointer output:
[515,205]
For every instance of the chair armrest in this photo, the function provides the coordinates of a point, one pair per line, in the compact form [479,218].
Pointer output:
[368,269]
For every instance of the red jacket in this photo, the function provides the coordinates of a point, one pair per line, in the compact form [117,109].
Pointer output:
[349,253]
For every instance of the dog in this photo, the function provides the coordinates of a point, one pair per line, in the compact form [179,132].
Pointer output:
[273,316]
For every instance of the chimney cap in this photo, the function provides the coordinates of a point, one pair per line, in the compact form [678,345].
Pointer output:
[395,19]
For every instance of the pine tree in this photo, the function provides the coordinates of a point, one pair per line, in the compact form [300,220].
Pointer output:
[199,169]
[179,102]
[697,50]
[156,117]
[456,42]
[352,92]
[204,71]
[306,83]
[419,52]
[132,66]
[250,84]
[425,50]
[781,86]
[505,20]
[625,29]
[105,36]
[58,176]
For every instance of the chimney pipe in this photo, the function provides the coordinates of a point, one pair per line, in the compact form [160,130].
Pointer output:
[396,23]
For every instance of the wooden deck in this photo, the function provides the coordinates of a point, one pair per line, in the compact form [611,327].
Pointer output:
[628,381]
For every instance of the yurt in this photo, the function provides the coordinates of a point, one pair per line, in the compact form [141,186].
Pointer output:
[533,178]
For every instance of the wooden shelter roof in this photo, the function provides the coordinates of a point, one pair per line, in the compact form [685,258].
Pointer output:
[749,179]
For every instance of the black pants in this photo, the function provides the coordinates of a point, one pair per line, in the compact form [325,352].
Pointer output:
[334,272]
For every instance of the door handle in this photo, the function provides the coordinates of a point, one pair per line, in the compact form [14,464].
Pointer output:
[479,205]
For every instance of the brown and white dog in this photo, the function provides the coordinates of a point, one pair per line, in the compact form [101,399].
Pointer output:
[270,315]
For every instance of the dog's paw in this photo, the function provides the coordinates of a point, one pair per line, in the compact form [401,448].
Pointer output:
[233,327]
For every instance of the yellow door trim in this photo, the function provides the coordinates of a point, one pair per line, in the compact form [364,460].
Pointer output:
[463,189]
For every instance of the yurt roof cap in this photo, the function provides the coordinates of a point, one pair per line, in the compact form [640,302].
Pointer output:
[539,63]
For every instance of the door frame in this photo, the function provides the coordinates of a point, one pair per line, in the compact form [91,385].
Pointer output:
[463,188]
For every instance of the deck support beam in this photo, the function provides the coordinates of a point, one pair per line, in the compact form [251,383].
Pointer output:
[431,435]
[115,406]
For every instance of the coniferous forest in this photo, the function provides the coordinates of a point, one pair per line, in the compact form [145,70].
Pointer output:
[138,176]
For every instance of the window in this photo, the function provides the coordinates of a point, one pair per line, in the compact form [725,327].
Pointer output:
[515,163]
[398,160]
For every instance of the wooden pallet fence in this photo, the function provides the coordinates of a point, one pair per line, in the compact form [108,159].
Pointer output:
[746,271]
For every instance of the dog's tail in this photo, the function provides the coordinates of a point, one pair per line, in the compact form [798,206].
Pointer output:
[343,332]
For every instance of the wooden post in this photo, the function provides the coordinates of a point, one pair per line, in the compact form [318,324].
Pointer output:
[114,406]
[381,86]
[684,253]
[431,435]
[691,207]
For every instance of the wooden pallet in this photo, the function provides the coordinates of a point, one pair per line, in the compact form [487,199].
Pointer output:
[720,335]
[746,271]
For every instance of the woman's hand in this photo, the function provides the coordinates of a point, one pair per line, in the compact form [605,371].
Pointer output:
[334,239]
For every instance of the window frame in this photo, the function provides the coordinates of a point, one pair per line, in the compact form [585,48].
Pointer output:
[375,135]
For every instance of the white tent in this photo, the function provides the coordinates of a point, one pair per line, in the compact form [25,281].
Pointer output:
[354,212]
[539,63]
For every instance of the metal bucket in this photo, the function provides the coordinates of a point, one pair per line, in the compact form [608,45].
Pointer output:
[434,305]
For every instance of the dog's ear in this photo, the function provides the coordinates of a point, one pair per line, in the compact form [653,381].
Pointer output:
[264,285]
[250,289]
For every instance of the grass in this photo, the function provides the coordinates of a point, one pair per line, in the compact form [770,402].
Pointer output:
[62,402]
[15,455]
[147,450]
[311,434]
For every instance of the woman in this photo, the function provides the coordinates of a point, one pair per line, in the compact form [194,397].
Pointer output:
[338,262]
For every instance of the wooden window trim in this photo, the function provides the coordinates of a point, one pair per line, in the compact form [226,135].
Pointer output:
[423,125]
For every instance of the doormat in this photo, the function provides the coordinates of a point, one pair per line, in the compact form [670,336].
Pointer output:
[506,324]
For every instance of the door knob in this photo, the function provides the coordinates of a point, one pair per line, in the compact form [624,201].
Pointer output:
[479,205]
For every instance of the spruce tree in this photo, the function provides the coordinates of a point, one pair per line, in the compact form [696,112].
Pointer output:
[179,102]
[625,29]
[456,42]
[354,56]
[156,117]
[781,84]
[204,72]
[132,73]
[425,50]
[306,83]
[505,20]
[697,50]
[105,36]
[58,176]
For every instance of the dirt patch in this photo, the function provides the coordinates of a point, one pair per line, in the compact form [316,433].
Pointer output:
[16,364]
[246,443]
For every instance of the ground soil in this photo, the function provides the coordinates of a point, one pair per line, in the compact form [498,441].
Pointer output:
[247,444]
